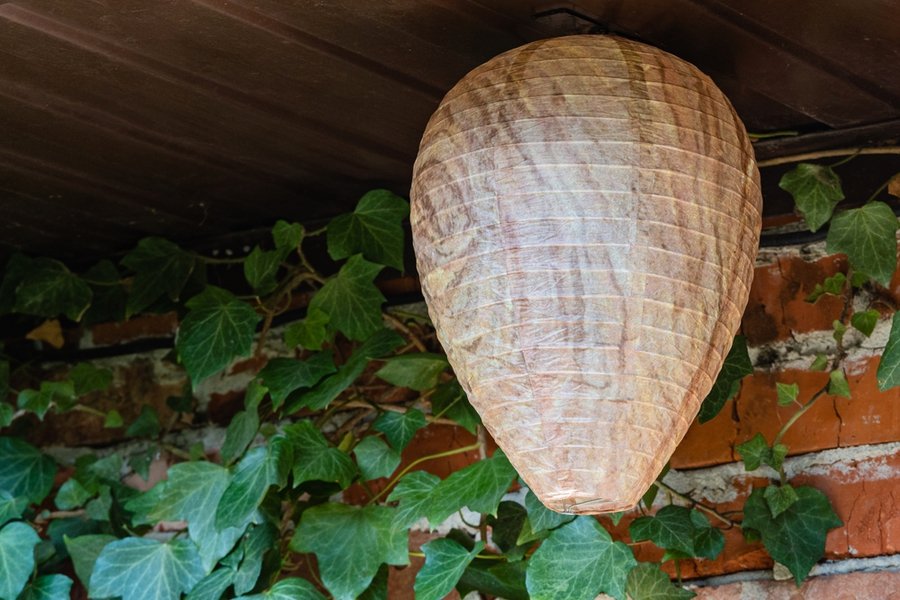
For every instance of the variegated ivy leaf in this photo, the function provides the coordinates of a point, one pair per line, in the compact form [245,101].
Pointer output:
[144,569]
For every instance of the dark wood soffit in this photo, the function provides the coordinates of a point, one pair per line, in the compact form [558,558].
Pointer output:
[195,119]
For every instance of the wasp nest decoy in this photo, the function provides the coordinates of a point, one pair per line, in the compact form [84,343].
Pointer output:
[585,214]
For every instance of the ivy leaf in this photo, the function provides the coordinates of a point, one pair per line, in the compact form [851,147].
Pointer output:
[109,301]
[867,235]
[541,518]
[449,400]
[506,527]
[787,393]
[708,541]
[418,371]
[309,333]
[84,551]
[48,587]
[11,507]
[577,562]
[15,270]
[192,494]
[258,541]
[287,236]
[49,289]
[796,537]
[4,382]
[315,459]
[400,427]
[261,270]
[217,329]
[837,384]
[245,492]
[285,375]
[6,414]
[378,589]
[503,580]
[62,393]
[160,267]
[375,229]
[479,486]
[350,543]
[780,498]
[351,300]
[17,542]
[819,363]
[865,321]
[647,582]
[671,528]
[414,491]
[839,330]
[445,561]
[382,342]
[737,366]
[213,585]
[889,366]
[833,285]
[146,425]
[375,458]
[292,588]
[88,378]
[144,569]
[816,190]
[754,452]
[240,433]
[24,471]
[71,494]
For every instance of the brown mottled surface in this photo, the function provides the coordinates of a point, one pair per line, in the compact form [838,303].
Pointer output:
[585,212]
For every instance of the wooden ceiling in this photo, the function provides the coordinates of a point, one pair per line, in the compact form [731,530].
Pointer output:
[194,119]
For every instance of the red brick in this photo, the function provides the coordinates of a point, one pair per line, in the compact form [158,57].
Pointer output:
[849,586]
[143,326]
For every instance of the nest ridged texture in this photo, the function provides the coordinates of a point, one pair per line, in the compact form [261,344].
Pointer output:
[586,214]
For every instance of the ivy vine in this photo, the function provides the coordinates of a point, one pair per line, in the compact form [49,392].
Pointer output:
[262,518]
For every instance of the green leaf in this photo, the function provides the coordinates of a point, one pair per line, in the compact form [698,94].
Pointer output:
[779,451]
[754,452]
[837,384]
[418,371]
[146,425]
[400,427]
[258,541]
[449,400]
[542,518]
[49,289]
[819,363]
[48,587]
[192,494]
[816,190]
[88,378]
[11,507]
[780,498]
[261,270]
[315,459]
[60,393]
[351,300]
[309,333]
[889,366]
[71,494]
[839,330]
[577,562]
[479,486]
[503,580]
[24,471]
[375,229]
[413,492]
[865,321]
[217,329]
[84,551]
[4,382]
[109,301]
[292,588]
[378,589]
[382,342]
[285,375]
[213,585]
[867,235]
[375,458]
[833,285]
[245,492]
[287,236]
[445,561]
[351,543]
[506,527]
[787,393]
[796,537]
[160,267]
[17,542]
[647,582]
[16,269]
[737,366]
[708,541]
[144,569]
[6,414]
[671,528]
[240,433]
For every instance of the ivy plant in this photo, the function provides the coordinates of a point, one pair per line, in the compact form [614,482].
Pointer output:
[314,490]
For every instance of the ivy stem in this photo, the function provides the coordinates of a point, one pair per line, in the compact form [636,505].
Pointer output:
[59,514]
[212,260]
[398,325]
[845,160]
[694,504]
[482,556]
[881,188]
[781,160]
[89,410]
[419,461]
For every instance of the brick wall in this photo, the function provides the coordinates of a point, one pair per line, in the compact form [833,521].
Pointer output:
[849,448]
